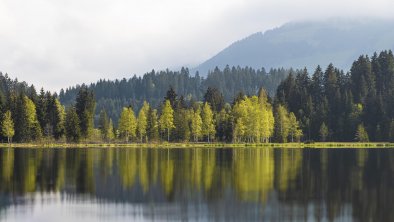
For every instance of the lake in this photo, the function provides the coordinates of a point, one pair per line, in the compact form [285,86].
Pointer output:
[240,184]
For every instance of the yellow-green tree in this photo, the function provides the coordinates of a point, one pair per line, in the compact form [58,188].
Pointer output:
[196,125]
[167,119]
[208,125]
[127,123]
[240,120]
[294,128]
[111,134]
[266,117]
[361,134]
[282,124]
[8,126]
[32,121]
[142,121]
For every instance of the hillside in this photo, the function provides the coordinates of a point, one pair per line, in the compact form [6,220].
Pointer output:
[306,44]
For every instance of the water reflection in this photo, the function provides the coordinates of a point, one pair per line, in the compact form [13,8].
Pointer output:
[198,184]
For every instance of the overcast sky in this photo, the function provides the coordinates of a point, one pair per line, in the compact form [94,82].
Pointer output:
[58,43]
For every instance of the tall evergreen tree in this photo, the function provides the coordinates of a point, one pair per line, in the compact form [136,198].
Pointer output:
[85,107]
[214,98]
[72,126]
[104,125]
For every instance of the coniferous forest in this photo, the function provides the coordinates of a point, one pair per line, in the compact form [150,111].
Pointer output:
[232,105]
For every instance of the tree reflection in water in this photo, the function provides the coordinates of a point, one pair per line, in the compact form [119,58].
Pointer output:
[248,183]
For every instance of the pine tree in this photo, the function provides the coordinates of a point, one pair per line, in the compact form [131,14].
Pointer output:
[8,126]
[104,124]
[167,118]
[208,125]
[73,131]
[59,119]
[214,98]
[85,108]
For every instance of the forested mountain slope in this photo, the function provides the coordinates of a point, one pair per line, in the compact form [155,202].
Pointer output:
[307,44]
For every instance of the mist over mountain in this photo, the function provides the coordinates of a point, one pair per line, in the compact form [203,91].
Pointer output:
[307,44]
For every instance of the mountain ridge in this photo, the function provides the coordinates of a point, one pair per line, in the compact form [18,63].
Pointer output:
[306,44]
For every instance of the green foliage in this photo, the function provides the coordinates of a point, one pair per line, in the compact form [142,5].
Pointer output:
[167,118]
[127,123]
[294,129]
[104,126]
[196,125]
[153,125]
[153,86]
[142,122]
[85,108]
[72,126]
[214,98]
[208,125]
[323,132]
[58,114]
[7,126]
[361,134]
[282,124]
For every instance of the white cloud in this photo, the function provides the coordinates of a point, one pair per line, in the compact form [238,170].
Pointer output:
[57,43]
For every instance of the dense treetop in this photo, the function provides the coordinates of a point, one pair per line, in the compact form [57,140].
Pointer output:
[152,87]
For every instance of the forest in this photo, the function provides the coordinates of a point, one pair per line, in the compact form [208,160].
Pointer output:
[152,87]
[328,105]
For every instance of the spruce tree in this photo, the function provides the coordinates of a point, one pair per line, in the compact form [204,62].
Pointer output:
[72,126]
[104,124]
[85,108]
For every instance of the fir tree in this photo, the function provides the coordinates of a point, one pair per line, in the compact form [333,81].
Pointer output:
[73,131]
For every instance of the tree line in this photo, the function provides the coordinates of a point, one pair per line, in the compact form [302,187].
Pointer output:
[152,87]
[332,105]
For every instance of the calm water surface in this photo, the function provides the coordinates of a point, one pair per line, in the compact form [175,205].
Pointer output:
[196,184]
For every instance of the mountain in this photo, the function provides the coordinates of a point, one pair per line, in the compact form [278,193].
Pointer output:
[307,44]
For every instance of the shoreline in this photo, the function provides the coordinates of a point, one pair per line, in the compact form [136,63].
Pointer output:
[317,145]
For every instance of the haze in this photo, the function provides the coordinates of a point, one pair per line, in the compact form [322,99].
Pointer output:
[58,43]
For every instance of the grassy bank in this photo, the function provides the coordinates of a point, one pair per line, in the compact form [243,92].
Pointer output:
[202,145]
